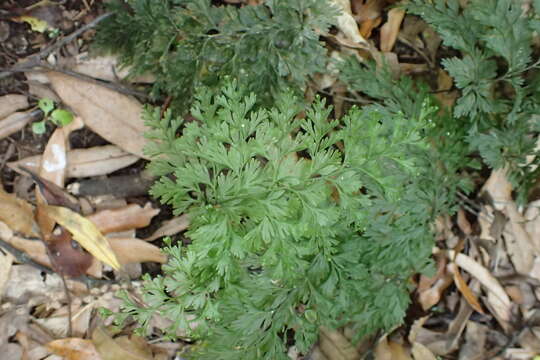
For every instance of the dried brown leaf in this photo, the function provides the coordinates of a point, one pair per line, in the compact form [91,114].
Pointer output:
[170,227]
[129,217]
[11,103]
[124,348]
[115,117]
[335,346]
[17,214]
[136,251]
[420,352]
[390,30]
[347,24]
[74,349]
[462,286]
[16,121]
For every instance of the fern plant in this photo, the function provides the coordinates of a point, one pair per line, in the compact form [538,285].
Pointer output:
[296,222]
[191,43]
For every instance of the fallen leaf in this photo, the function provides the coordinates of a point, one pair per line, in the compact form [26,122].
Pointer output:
[132,216]
[104,68]
[17,214]
[94,161]
[124,348]
[113,116]
[170,227]
[347,24]
[390,30]
[54,159]
[390,350]
[11,103]
[74,349]
[462,286]
[420,352]
[336,346]
[6,261]
[134,250]
[16,121]
[85,233]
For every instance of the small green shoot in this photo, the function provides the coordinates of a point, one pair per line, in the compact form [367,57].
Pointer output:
[59,117]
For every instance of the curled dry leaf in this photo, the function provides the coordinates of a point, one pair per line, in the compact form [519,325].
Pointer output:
[113,116]
[133,250]
[85,233]
[347,24]
[94,161]
[11,103]
[74,349]
[390,30]
[132,216]
[16,121]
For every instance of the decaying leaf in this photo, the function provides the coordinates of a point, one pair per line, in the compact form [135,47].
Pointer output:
[54,159]
[336,346]
[347,23]
[115,117]
[464,289]
[170,227]
[16,121]
[85,233]
[103,67]
[6,260]
[94,161]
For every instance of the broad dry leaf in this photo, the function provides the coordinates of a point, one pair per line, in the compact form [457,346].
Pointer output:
[74,349]
[390,350]
[11,103]
[462,286]
[499,189]
[170,227]
[132,216]
[104,68]
[133,348]
[390,30]
[134,250]
[85,233]
[94,161]
[336,346]
[113,116]
[17,214]
[16,121]
[347,24]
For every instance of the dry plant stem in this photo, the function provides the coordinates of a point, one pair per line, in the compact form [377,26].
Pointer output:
[35,60]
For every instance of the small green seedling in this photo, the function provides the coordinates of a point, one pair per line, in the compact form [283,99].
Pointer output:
[59,117]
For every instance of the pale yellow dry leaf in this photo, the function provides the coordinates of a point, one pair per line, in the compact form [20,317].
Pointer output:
[11,103]
[85,233]
[390,30]
[134,250]
[93,161]
[74,349]
[462,286]
[113,116]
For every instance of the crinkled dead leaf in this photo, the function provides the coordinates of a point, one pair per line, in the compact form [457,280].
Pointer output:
[113,116]
[11,103]
[132,216]
[390,30]
[85,233]
[17,214]
[124,348]
[94,161]
[74,349]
